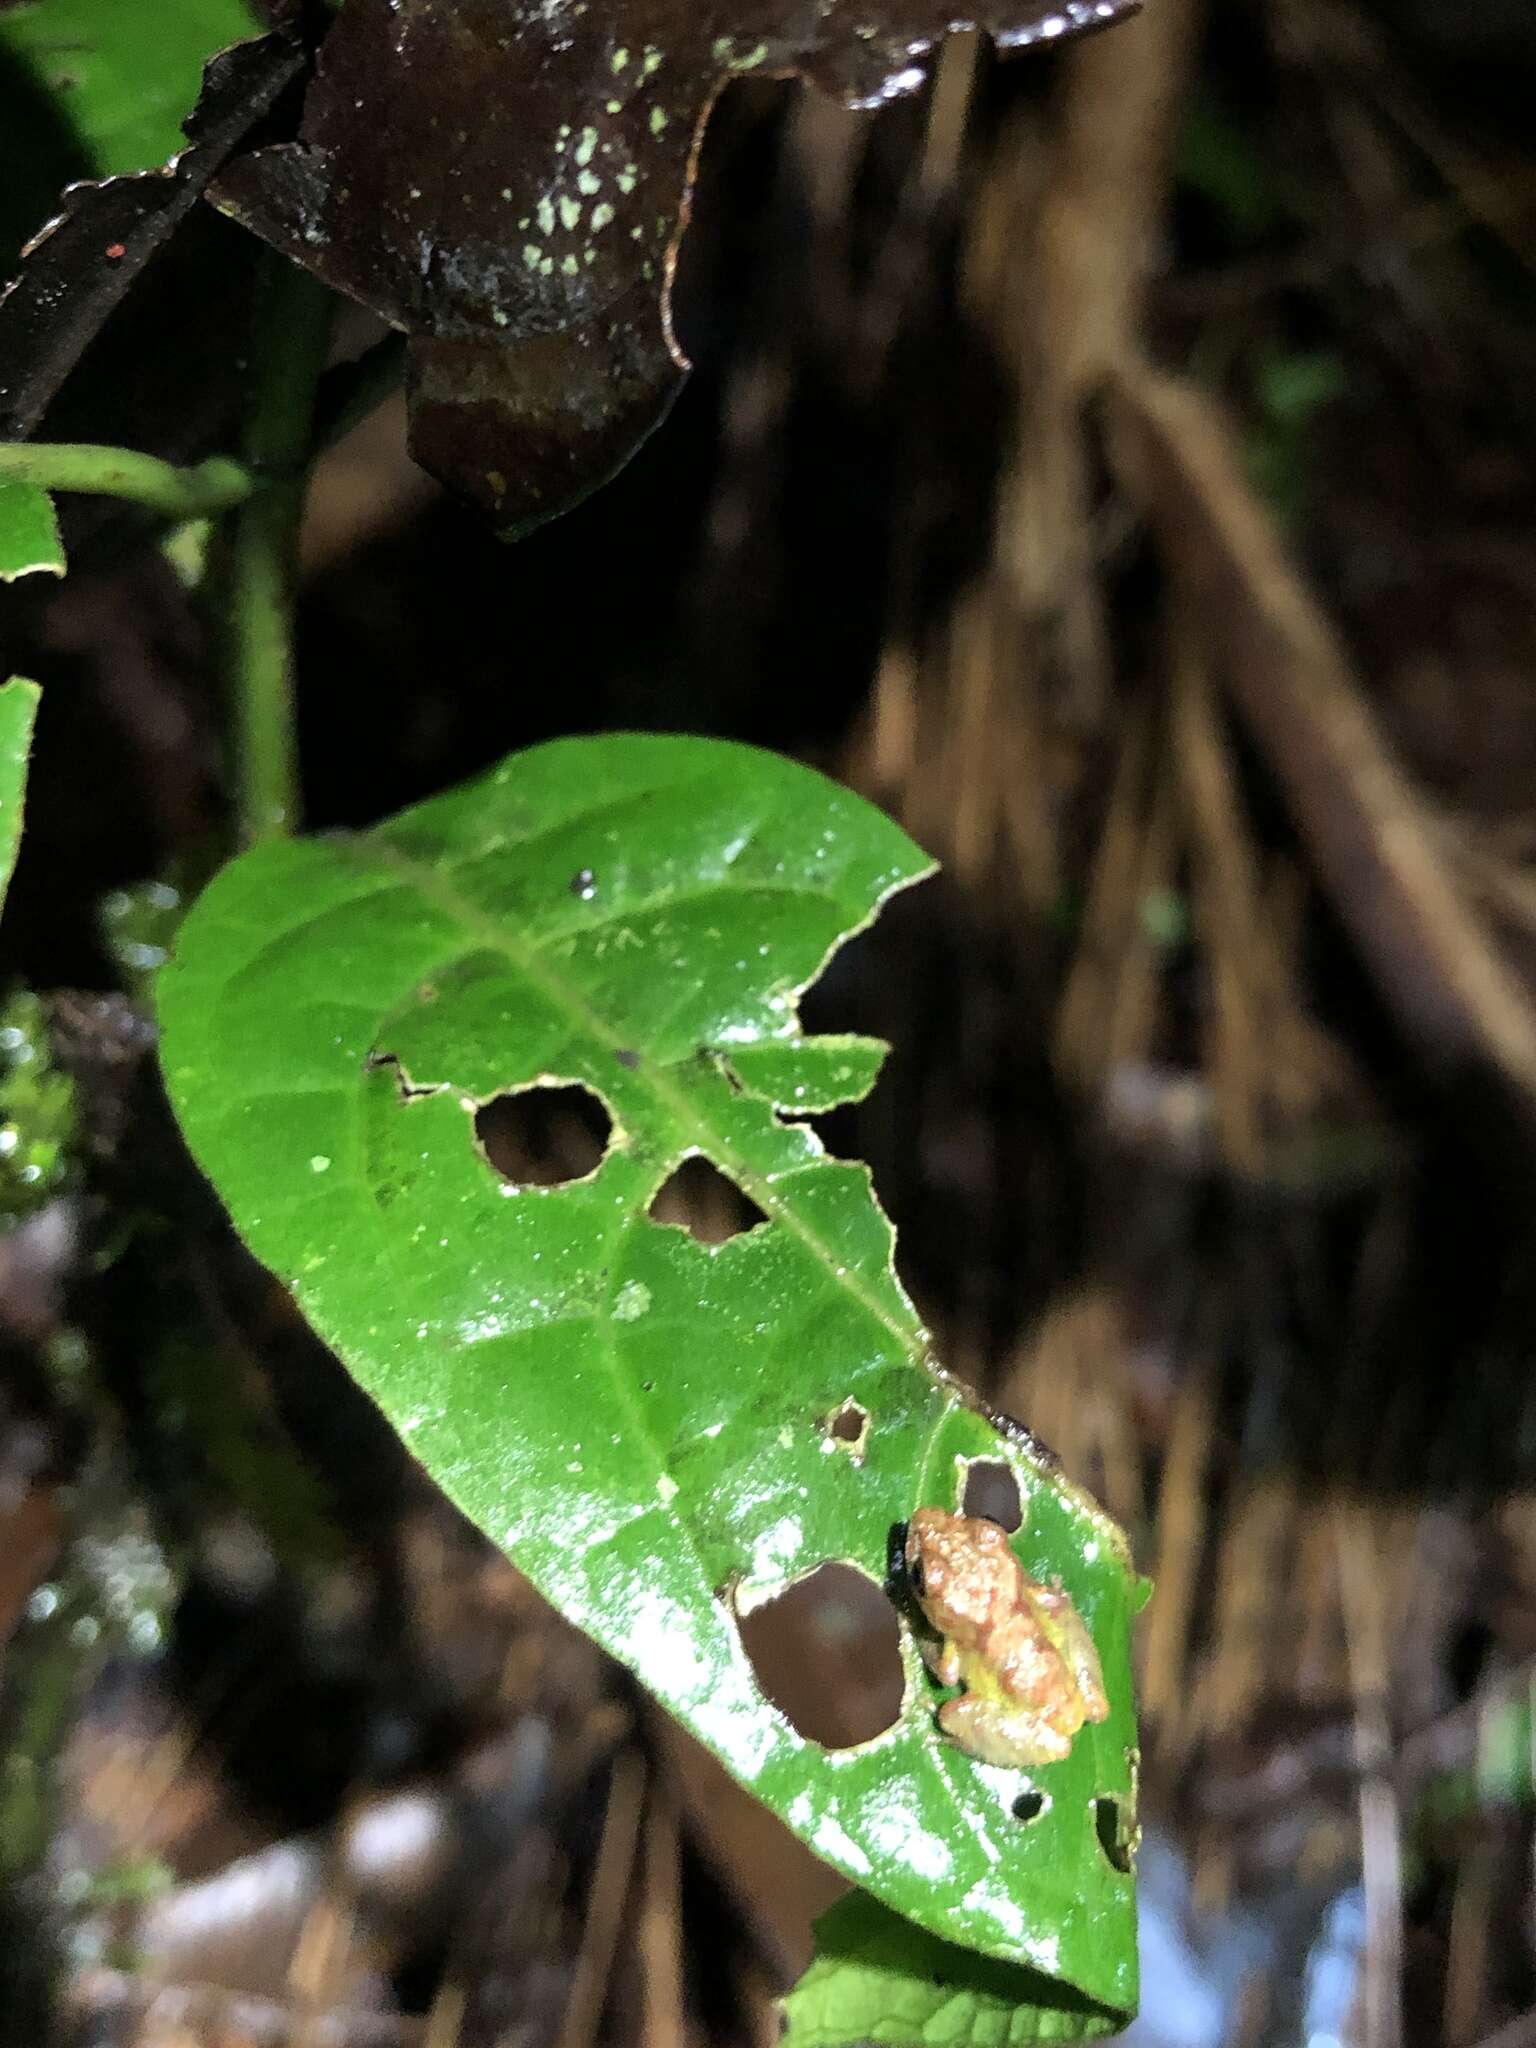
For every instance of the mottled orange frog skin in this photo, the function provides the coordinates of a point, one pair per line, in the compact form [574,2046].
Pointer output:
[1028,1665]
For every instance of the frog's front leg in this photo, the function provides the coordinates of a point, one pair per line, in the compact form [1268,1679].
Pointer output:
[943,1659]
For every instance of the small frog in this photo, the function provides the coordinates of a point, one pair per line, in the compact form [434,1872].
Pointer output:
[1028,1664]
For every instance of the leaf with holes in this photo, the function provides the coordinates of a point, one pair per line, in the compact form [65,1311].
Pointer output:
[665,1435]
[877,1979]
[18,714]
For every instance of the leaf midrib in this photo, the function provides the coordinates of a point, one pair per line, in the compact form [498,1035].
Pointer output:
[486,931]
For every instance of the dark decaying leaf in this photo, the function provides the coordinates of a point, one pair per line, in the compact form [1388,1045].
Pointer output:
[82,264]
[508,180]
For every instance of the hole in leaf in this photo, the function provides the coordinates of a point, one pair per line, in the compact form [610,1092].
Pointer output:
[827,1653]
[544,1137]
[705,1202]
[1028,1806]
[849,1426]
[1114,1839]
[992,1492]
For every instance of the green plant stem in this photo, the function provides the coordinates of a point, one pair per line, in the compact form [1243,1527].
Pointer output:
[206,487]
[256,586]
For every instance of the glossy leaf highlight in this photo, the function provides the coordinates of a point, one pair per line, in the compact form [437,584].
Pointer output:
[642,1420]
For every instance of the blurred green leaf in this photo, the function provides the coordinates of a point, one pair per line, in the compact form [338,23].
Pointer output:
[123,75]
[1220,160]
[37,1112]
[1290,388]
[18,714]
[643,1421]
[877,1978]
[1293,385]
[29,533]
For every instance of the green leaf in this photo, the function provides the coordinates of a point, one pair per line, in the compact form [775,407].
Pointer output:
[122,76]
[643,1422]
[877,1978]
[18,714]
[29,533]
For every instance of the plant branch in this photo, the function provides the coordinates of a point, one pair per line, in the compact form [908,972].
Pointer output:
[193,493]
[256,581]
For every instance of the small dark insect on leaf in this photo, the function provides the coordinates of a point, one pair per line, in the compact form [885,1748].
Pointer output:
[508,180]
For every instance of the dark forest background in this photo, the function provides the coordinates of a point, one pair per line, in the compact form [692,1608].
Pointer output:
[1119,466]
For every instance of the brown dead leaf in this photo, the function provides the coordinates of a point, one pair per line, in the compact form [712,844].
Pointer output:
[508,180]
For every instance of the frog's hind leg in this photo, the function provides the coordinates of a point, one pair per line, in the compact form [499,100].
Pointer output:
[975,1724]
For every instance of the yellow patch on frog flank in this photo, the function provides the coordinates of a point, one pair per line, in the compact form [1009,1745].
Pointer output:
[1029,1670]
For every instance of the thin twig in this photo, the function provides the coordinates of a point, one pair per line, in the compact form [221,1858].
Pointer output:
[255,587]
[1380,1830]
[1370,833]
[664,2021]
[605,1905]
[100,472]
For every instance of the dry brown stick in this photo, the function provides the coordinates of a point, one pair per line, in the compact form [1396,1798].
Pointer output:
[321,1958]
[1131,1020]
[1069,311]
[605,1903]
[1245,983]
[1359,1568]
[1255,1553]
[446,2019]
[774,1880]
[144,2010]
[1481,187]
[1519,2033]
[31,1537]
[664,2023]
[1109,914]
[1473,1944]
[1372,837]
[1182,1523]
[1270,1063]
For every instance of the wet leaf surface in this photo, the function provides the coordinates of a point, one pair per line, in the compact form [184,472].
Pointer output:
[18,714]
[645,1422]
[507,181]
